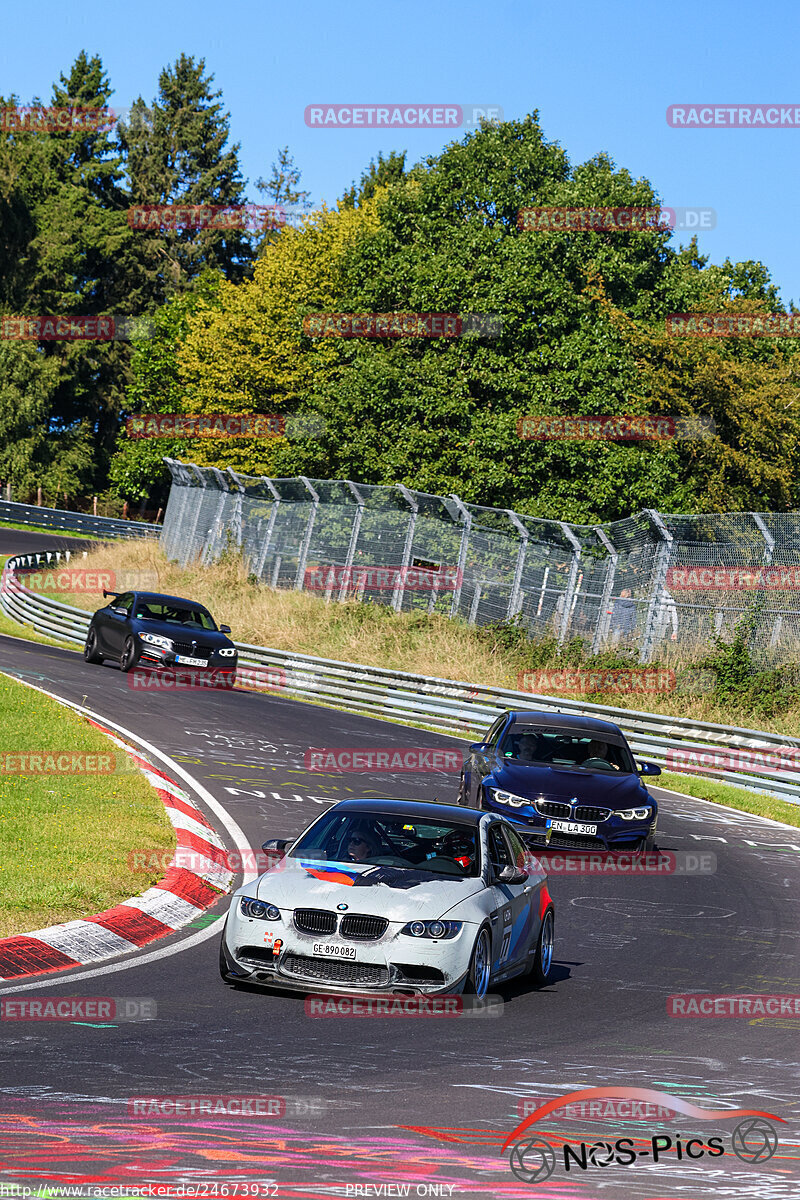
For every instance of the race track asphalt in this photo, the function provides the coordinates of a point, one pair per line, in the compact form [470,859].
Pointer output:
[352,1087]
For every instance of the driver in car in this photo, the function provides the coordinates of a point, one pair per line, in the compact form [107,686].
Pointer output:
[361,846]
[597,750]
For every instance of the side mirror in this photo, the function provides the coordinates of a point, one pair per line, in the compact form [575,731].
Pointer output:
[224,628]
[648,768]
[276,844]
[121,612]
[479,747]
[512,875]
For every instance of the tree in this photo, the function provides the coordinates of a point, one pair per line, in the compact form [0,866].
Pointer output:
[378,175]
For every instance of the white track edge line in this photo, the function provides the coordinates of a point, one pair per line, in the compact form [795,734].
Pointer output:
[236,833]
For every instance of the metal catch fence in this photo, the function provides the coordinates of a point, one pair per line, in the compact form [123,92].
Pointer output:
[656,584]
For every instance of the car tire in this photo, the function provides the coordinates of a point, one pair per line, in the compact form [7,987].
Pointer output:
[648,843]
[480,965]
[130,656]
[91,651]
[542,964]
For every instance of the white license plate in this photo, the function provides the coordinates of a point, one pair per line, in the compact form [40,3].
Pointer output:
[334,950]
[571,827]
[190,662]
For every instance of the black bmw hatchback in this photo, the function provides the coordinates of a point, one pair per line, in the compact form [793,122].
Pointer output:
[157,630]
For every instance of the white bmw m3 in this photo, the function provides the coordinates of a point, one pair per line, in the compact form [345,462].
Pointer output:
[395,897]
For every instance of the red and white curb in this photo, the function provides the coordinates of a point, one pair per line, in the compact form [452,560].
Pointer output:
[178,898]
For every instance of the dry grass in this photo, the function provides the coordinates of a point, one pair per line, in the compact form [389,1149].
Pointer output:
[370,633]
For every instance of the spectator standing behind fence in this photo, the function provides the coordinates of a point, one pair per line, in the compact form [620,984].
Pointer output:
[666,618]
[623,617]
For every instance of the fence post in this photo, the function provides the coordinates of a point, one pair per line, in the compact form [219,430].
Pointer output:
[351,545]
[198,474]
[466,527]
[663,555]
[238,504]
[769,550]
[604,615]
[400,585]
[569,594]
[306,542]
[215,534]
[276,501]
[515,599]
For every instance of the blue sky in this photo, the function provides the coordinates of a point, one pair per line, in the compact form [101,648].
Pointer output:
[601,76]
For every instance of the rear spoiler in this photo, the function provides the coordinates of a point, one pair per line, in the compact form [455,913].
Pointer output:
[105,593]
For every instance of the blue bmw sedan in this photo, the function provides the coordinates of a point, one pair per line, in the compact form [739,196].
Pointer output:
[562,780]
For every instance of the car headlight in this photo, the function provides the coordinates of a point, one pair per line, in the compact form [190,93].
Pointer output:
[509,798]
[262,910]
[155,639]
[634,814]
[440,930]
[228,652]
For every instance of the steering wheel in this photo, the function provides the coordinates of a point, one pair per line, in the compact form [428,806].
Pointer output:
[388,860]
[600,763]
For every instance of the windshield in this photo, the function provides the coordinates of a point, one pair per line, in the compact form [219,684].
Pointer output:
[375,839]
[173,614]
[564,748]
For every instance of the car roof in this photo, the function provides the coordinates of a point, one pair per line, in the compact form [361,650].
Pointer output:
[160,598]
[560,720]
[431,809]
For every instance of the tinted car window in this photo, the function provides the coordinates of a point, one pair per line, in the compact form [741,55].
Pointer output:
[518,851]
[564,748]
[491,736]
[445,848]
[499,855]
[125,601]
[173,614]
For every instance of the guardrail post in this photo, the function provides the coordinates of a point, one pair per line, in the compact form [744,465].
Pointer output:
[604,615]
[570,592]
[400,585]
[351,545]
[276,502]
[515,599]
[306,542]
[657,597]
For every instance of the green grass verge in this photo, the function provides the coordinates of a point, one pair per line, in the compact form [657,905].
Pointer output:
[65,839]
[730,796]
[90,537]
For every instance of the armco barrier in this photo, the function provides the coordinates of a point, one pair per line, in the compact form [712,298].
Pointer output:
[74,522]
[461,709]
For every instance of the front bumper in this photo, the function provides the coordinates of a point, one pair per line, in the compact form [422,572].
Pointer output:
[613,833]
[394,964]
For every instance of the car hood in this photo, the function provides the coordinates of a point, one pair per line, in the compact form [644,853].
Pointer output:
[399,895]
[180,633]
[560,783]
